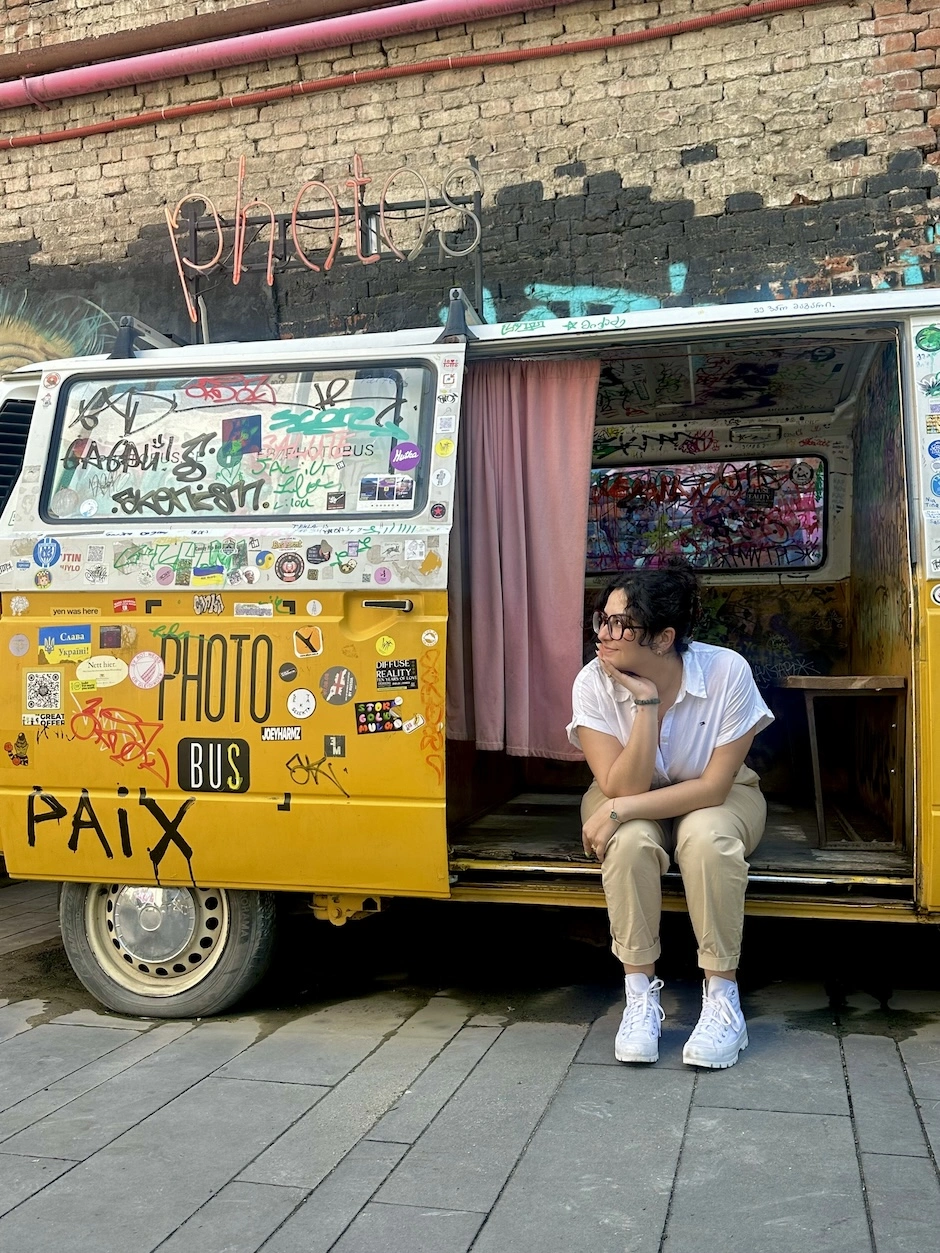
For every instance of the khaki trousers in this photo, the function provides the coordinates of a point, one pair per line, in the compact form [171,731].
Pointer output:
[710,847]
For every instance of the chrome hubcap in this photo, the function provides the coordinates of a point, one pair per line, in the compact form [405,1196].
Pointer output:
[157,941]
[153,924]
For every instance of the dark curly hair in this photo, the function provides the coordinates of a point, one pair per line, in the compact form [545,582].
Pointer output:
[658,597]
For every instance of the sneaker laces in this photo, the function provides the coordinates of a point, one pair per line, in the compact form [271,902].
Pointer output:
[718,1014]
[641,1006]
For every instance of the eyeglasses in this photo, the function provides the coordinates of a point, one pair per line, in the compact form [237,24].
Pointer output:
[617,624]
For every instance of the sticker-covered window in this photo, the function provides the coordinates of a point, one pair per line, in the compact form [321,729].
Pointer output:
[331,443]
[720,515]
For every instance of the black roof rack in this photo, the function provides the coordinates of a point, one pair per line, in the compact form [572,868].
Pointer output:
[461,315]
[130,331]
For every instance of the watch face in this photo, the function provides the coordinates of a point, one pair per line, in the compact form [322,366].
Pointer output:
[301,702]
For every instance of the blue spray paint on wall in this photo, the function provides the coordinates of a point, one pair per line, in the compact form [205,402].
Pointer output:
[912,275]
[554,300]
[913,262]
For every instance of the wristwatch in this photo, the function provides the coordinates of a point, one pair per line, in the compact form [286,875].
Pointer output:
[614,815]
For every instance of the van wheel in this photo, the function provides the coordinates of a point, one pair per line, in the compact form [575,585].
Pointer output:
[166,952]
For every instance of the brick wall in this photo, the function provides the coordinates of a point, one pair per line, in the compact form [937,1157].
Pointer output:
[30,24]
[776,157]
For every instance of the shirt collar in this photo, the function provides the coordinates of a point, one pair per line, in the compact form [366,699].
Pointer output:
[693,677]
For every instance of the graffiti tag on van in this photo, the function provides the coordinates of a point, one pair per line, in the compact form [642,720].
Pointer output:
[224,497]
[126,405]
[123,734]
[356,419]
[85,818]
[303,770]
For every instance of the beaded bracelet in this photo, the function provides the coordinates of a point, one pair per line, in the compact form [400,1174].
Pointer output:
[654,700]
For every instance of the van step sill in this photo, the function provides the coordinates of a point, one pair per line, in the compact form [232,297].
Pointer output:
[517,867]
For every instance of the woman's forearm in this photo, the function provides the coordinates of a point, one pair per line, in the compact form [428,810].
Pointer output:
[674,800]
[632,772]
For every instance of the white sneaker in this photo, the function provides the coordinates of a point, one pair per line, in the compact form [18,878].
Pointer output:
[720,1033]
[638,1037]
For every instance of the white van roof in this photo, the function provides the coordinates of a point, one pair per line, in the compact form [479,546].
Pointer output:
[503,337]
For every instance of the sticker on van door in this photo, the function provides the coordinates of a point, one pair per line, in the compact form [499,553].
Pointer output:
[47,551]
[308,642]
[71,643]
[43,690]
[213,765]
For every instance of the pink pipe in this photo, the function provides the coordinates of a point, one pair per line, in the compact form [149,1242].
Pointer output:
[266,45]
[387,73]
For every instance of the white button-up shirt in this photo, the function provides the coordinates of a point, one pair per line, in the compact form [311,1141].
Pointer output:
[718,702]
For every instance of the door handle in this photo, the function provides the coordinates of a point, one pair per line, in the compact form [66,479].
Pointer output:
[405,606]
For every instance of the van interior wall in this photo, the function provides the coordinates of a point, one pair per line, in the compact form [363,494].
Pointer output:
[881,610]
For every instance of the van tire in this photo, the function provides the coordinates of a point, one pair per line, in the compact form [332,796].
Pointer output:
[156,952]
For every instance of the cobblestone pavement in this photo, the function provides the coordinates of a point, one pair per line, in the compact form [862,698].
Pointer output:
[384,1115]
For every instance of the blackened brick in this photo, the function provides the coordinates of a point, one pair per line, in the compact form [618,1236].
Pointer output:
[880,185]
[600,206]
[849,148]
[521,193]
[907,159]
[679,212]
[570,206]
[636,195]
[855,226]
[705,225]
[744,202]
[906,199]
[699,154]
[839,208]
[605,184]
[14,257]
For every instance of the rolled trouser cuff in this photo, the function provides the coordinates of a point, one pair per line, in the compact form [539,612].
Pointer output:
[712,961]
[636,956]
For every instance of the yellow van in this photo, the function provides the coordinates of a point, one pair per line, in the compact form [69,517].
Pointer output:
[234,579]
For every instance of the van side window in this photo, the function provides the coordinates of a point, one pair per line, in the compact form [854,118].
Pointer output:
[15,417]
[336,442]
[720,515]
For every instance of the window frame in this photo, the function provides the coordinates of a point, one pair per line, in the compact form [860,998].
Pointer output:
[255,520]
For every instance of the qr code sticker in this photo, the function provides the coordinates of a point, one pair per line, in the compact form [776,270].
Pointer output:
[95,554]
[43,689]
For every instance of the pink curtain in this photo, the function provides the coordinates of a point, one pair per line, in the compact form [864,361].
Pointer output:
[518,554]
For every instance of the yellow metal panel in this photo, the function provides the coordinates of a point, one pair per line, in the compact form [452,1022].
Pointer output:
[381,845]
[251,762]
[927,685]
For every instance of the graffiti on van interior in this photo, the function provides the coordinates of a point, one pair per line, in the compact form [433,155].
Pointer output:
[723,515]
[337,442]
[713,381]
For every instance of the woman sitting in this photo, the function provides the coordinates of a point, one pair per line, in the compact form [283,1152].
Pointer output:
[665,724]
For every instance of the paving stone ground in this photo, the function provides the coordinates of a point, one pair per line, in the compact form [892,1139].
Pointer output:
[397,1118]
